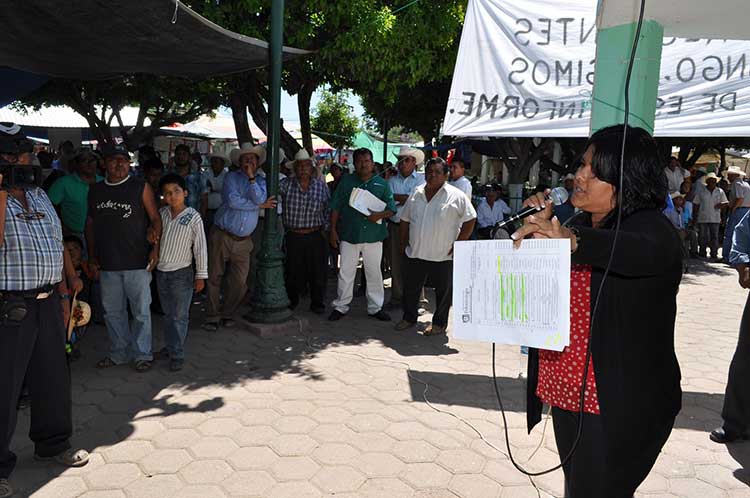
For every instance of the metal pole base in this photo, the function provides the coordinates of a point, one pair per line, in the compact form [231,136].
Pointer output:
[270,303]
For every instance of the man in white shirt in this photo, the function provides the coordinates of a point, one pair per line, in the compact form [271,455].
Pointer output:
[403,185]
[491,210]
[215,178]
[435,216]
[708,202]
[739,204]
[676,174]
[457,178]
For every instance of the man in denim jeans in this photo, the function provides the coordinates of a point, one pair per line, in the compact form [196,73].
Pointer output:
[122,220]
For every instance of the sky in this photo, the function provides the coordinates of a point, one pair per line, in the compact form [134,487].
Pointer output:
[290,114]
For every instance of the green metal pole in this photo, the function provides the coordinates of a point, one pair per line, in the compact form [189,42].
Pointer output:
[270,300]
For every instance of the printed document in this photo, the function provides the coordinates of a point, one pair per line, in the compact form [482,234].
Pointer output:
[512,296]
[365,202]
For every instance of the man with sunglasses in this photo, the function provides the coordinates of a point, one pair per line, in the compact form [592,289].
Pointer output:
[33,311]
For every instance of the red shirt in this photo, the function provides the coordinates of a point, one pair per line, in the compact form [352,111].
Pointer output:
[561,374]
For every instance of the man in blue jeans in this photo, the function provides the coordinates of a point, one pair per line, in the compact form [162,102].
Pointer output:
[123,229]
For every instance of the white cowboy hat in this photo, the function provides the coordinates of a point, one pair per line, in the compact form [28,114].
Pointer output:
[675,195]
[282,156]
[734,170]
[300,156]
[405,150]
[710,176]
[248,148]
[569,176]
[221,156]
[80,315]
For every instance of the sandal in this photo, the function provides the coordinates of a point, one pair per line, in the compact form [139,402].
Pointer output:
[106,363]
[142,366]
[210,326]
[68,458]
[5,489]
[434,330]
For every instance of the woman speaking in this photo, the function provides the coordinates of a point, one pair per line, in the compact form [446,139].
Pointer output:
[632,388]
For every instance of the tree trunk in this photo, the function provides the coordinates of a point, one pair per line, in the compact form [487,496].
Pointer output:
[238,104]
[259,113]
[303,105]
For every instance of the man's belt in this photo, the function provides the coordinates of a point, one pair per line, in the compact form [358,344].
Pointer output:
[40,293]
[305,231]
[394,222]
[232,236]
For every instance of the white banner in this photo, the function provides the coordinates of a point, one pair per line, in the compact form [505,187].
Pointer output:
[526,68]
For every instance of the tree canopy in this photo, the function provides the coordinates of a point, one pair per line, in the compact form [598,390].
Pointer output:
[334,120]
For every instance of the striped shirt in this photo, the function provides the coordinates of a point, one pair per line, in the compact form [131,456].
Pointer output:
[182,239]
[304,208]
[31,255]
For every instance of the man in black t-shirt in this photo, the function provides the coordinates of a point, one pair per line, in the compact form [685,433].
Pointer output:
[123,220]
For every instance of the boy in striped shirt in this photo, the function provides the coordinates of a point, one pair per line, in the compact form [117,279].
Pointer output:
[182,240]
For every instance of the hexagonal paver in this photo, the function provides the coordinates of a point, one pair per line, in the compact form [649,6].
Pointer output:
[380,488]
[213,447]
[206,472]
[461,461]
[165,461]
[62,487]
[141,429]
[127,451]
[368,422]
[379,464]
[219,427]
[332,433]
[295,424]
[257,435]
[246,482]
[293,445]
[407,431]
[104,493]
[202,491]
[426,475]
[297,467]
[294,489]
[331,415]
[250,458]
[113,476]
[297,407]
[335,480]
[505,473]
[474,486]
[372,441]
[694,488]
[259,417]
[415,451]
[161,486]
[176,438]
[519,492]
[184,420]
[336,454]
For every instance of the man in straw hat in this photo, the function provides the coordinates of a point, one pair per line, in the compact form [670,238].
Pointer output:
[403,184]
[739,204]
[305,199]
[243,196]
[708,202]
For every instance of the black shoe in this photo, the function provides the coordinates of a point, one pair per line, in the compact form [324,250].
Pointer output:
[335,316]
[318,309]
[382,316]
[721,436]
[176,365]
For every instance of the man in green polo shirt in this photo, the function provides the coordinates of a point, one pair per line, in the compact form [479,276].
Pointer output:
[356,234]
[70,193]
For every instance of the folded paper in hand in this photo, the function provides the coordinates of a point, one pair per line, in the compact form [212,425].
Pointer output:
[365,202]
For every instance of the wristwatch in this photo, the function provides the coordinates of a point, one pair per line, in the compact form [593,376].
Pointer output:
[577,236]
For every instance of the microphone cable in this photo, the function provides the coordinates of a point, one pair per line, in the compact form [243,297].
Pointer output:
[579,431]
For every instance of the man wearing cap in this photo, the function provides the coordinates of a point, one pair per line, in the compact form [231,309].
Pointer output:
[196,183]
[675,174]
[70,193]
[403,184]
[215,179]
[305,199]
[356,234]
[739,204]
[123,220]
[243,196]
[34,307]
[458,178]
[708,202]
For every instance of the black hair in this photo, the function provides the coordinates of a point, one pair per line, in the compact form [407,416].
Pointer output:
[360,152]
[440,161]
[74,239]
[184,147]
[172,178]
[335,166]
[152,163]
[644,184]
[459,161]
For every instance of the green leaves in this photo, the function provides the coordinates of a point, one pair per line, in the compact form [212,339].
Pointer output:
[333,119]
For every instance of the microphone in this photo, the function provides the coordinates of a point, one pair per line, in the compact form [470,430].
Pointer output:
[557,195]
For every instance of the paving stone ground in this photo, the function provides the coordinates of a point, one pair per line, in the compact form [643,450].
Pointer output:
[333,411]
